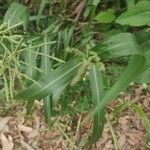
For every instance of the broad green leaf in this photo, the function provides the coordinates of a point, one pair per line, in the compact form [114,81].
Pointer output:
[144,117]
[51,82]
[139,15]
[105,16]
[134,69]
[97,89]
[17,14]
[120,45]
[143,39]
[145,46]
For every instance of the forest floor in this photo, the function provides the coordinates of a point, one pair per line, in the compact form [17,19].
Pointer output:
[19,132]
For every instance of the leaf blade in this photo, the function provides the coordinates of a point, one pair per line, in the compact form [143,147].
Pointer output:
[139,15]
[51,82]
[105,16]
[17,14]
[97,89]
[135,67]
[120,45]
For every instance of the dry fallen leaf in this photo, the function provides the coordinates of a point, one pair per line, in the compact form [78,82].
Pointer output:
[7,143]
[26,145]
[3,122]
[79,9]
[36,130]
[122,140]
[25,129]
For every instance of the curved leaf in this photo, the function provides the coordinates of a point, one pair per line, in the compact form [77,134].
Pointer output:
[51,82]
[123,44]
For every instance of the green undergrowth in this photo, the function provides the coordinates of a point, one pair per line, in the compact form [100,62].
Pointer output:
[74,56]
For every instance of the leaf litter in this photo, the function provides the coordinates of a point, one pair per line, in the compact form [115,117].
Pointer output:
[17,131]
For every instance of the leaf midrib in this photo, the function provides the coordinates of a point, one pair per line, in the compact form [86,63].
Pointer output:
[97,95]
[56,79]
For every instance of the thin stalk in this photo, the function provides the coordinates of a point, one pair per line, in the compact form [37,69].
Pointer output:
[6,88]
[66,136]
[116,144]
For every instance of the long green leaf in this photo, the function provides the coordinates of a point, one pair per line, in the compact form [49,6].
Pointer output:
[17,14]
[134,69]
[46,67]
[97,89]
[30,59]
[51,82]
[45,61]
[139,15]
[40,10]
[47,106]
[120,45]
